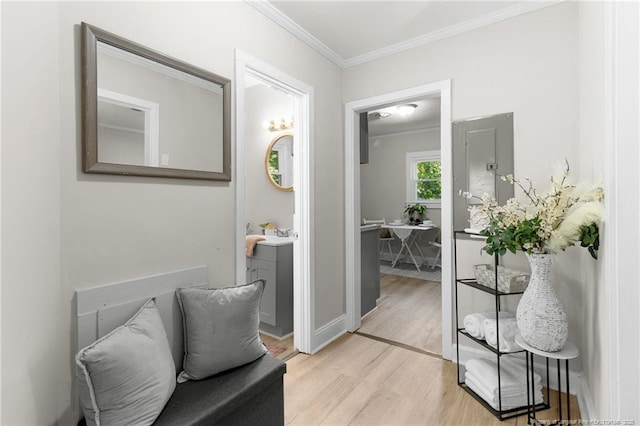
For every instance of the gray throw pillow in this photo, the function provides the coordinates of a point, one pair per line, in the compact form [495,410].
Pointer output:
[220,328]
[127,376]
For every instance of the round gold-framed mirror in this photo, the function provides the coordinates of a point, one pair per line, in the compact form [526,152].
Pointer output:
[278,162]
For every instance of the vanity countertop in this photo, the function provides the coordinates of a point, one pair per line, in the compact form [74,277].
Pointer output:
[272,240]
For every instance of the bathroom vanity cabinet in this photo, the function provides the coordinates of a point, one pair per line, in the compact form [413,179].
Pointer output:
[274,264]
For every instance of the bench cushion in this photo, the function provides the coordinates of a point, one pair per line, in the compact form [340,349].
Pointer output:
[236,396]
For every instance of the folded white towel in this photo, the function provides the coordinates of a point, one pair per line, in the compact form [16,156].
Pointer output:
[474,323]
[507,329]
[507,389]
[482,377]
[508,402]
[512,374]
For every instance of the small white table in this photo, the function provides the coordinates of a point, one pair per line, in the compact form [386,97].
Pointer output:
[407,238]
[570,351]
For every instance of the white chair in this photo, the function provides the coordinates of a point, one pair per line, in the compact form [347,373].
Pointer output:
[385,235]
[436,260]
[404,235]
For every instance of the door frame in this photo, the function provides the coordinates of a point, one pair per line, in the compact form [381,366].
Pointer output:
[303,218]
[352,199]
[619,372]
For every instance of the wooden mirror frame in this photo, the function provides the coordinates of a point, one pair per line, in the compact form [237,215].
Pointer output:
[266,162]
[90,164]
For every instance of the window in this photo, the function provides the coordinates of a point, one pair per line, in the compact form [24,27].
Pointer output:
[274,166]
[424,178]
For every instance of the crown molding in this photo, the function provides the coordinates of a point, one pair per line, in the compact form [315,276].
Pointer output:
[288,24]
[450,31]
[406,132]
[141,61]
[273,13]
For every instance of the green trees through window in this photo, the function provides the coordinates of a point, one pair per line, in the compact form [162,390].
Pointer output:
[429,174]
[274,166]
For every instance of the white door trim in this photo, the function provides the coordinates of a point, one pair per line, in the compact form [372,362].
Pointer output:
[151,131]
[352,199]
[621,236]
[303,218]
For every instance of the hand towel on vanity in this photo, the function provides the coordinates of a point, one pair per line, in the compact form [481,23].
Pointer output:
[507,329]
[251,242]
[482,377]
[474,323]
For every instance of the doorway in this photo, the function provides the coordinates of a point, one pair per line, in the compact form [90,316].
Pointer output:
[353,214]
[400,169]
[301,94]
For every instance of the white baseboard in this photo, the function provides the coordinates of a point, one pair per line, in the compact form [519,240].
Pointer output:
[585,400]
[467,353]
[273,336]
[328,333]
[370,312]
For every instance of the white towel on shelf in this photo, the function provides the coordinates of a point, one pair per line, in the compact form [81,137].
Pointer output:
[482,377]
[511,372]
[474,323]
[508,402]
[506,391]
[507,329]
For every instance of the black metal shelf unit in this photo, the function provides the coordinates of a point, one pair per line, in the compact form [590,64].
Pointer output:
[460,331]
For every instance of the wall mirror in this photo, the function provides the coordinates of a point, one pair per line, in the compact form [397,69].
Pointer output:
[278,161]
[147,114]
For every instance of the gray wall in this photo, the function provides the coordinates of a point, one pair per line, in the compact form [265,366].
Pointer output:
[527,65]
[383,181]
[190,116]
[120,146]
[63,230]
[68,230]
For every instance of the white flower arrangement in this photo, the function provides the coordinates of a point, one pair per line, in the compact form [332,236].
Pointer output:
[548,223]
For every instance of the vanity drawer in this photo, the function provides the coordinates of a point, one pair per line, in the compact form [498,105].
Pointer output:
[268,253]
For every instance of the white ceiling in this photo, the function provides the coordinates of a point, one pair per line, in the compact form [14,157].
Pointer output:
[353,32]
[425,116]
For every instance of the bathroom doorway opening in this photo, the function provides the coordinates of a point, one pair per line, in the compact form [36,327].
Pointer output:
[297,97]
[353,216]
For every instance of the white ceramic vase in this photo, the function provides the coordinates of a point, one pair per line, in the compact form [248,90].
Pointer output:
[540,315]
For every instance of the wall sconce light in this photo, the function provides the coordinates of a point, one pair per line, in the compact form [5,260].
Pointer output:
[278,125]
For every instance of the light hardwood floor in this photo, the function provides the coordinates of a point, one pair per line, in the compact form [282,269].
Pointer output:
[286,345]
[357,380]
[409,312]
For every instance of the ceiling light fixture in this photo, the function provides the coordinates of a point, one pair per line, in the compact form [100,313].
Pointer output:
[406,109]
[379,114]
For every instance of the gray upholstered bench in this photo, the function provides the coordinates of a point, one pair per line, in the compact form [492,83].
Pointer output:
[247,395]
